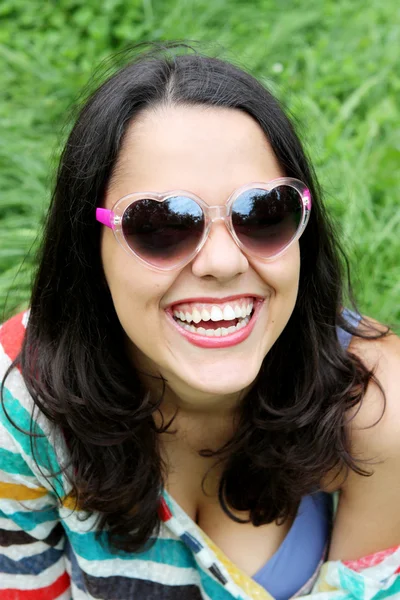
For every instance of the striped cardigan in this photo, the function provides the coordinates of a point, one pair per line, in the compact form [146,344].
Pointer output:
[48,553]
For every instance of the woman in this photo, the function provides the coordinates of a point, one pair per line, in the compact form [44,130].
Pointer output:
[198,392]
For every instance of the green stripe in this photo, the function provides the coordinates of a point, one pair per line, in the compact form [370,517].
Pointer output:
[44,452]
[10,462]
[163,551]
[394,589]
[30,519]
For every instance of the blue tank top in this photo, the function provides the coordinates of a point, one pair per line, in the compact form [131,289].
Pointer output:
[305,545]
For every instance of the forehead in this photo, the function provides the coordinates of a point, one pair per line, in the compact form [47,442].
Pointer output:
[209,151]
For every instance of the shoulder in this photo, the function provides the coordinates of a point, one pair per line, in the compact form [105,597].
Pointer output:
[367,516]
[19,416]
[375,425]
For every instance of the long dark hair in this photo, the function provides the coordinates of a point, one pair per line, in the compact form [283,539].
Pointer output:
[292,429]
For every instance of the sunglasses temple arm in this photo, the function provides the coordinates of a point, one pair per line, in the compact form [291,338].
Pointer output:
[105,216]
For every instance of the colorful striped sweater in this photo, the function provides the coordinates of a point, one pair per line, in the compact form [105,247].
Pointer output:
[48,553]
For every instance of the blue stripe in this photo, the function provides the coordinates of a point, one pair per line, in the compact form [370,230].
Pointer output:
[32,565]
[30,519]
[190,541]
[77,575]
[10,462]
[44,452]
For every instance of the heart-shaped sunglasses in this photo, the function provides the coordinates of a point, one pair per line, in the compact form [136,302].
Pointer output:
[166,231]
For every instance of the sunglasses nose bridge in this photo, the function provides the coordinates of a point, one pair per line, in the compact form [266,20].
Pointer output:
[217,213]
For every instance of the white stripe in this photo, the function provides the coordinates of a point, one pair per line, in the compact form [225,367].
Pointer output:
[176,527]
[205,558]
[26,480]
[73,524]
[140,569]
[33,582]
[78,594]
[8,525]
[40,532]
[166,534]
[20,551]
[385,569]
[9,507]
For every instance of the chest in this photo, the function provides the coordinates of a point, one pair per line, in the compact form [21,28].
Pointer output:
[247,546]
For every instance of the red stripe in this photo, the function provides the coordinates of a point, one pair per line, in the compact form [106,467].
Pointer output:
[163,511]
[46,593]
[372,560]
[12,335]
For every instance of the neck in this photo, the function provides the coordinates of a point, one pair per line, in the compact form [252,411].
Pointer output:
[199,420]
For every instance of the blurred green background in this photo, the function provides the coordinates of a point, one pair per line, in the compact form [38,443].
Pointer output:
[334,64]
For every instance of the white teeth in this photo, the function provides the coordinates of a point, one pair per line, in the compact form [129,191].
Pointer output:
[196,316]
[229,313]
[205,315]
[220,332]
[216,314]
[238,312]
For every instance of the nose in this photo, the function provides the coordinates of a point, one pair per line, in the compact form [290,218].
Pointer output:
[220,257]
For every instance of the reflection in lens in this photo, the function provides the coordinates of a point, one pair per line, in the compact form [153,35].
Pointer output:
[163,233]
[266,221]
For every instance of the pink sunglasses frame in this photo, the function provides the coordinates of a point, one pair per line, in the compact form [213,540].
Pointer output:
[113,218]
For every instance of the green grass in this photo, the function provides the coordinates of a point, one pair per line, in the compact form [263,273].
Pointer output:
[334,64]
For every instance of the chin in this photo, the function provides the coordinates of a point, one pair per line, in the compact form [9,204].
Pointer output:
[219,386]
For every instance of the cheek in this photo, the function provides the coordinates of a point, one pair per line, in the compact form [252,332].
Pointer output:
[282,275]
[136,291]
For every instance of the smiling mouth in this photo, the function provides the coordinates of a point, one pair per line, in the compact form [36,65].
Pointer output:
[215,321]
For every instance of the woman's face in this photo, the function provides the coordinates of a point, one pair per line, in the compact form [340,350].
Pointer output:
[209,152]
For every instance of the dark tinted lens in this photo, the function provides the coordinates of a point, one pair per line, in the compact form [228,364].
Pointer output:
[163,233]
[265,222]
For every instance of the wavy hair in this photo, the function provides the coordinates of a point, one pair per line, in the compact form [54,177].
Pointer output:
[292,429]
